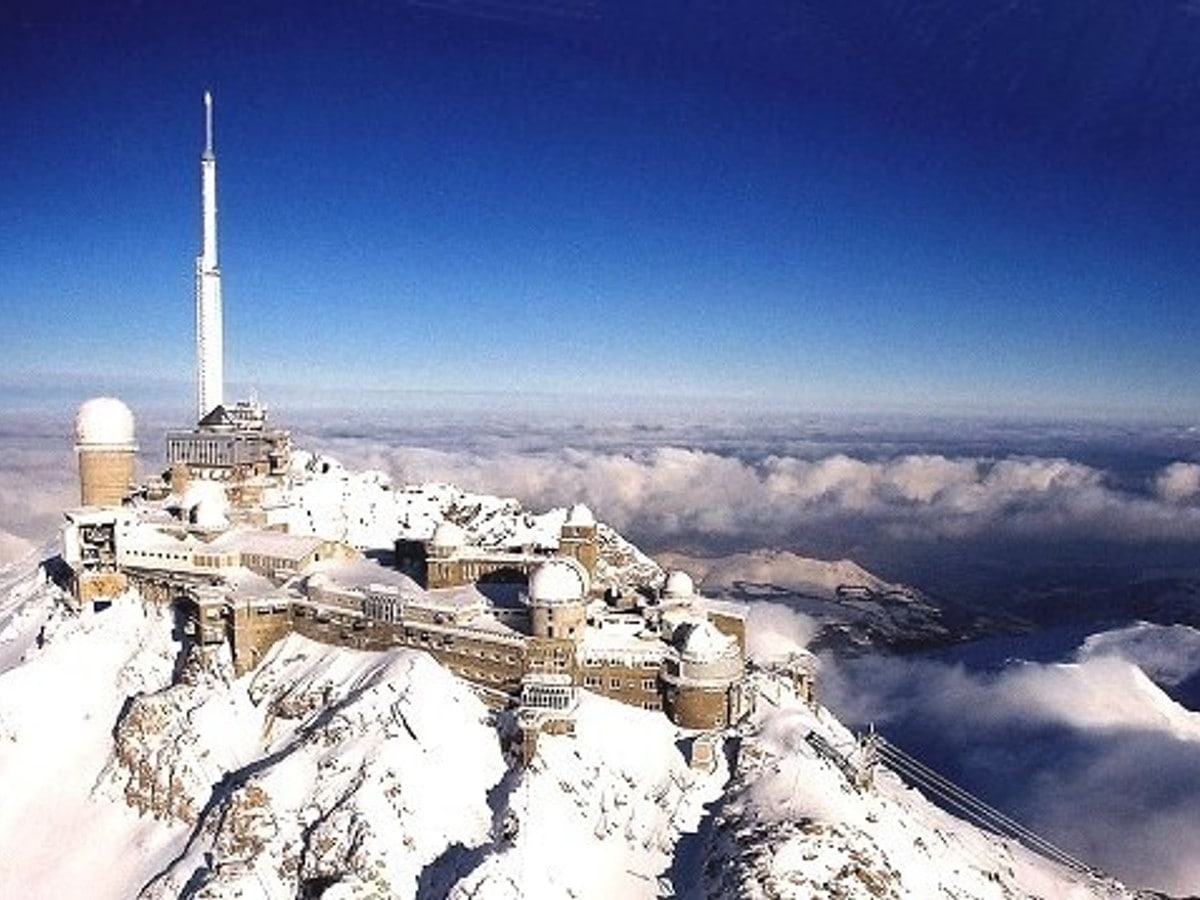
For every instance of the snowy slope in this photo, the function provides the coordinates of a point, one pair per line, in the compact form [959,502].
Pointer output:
[58,706]
[792,825]
[360,775]
[787,571]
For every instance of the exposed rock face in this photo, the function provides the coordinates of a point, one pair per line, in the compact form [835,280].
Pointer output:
[374,775]
[159,760]
[354,769]
[621,565]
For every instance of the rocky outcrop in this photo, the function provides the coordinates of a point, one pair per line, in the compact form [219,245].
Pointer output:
[358,770]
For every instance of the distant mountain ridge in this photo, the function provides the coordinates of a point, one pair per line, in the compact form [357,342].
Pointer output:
[851,609]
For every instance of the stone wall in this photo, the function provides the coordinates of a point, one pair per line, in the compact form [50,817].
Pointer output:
[91,586]
[255,629]
[697,707]
[105,476]
[635,685]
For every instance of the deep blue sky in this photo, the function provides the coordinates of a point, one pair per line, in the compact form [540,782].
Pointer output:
[904,205]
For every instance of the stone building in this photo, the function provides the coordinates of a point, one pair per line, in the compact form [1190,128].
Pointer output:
[234,445]
[578,539]
[89,539]
[447,559]
[701,680]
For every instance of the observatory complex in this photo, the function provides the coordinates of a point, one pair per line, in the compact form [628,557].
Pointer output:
[219,535]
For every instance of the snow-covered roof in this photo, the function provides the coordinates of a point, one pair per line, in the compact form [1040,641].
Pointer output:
[275,544]
[217,418]
[209,514]
[91,515]
[104,422]
[362,573]
[620,642]
[561,580]
[716,606]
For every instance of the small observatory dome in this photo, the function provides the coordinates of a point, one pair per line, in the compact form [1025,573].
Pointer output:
[447,536]
[105,422]
[580,516]
[206,505]
[558,581]
[679,586]
[701,642]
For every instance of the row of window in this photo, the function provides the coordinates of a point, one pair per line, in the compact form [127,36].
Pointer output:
[544,697]
[147,554]
[646,662]
[616,684]
[260,563]
[207,452]
[383,609]
[486,654]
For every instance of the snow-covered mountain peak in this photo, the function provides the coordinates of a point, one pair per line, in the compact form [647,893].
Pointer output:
[337,773]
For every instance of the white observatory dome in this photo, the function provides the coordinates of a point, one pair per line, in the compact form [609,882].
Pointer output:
[206,505]
[701,642]
[105,422]
[558,581]
[581,516]
[679,586]
[448,536]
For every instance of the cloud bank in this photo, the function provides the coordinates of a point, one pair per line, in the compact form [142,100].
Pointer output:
[669,496]
[1067,749]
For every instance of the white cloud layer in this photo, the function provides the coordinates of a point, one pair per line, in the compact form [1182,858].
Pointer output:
[774,632]
[1068,749]
[1169,654]
[1179,482]
[665,494]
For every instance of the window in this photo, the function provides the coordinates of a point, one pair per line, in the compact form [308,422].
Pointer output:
[647,684]
[614,683]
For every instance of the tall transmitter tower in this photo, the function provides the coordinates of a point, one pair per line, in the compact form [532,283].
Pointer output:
[210,355]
